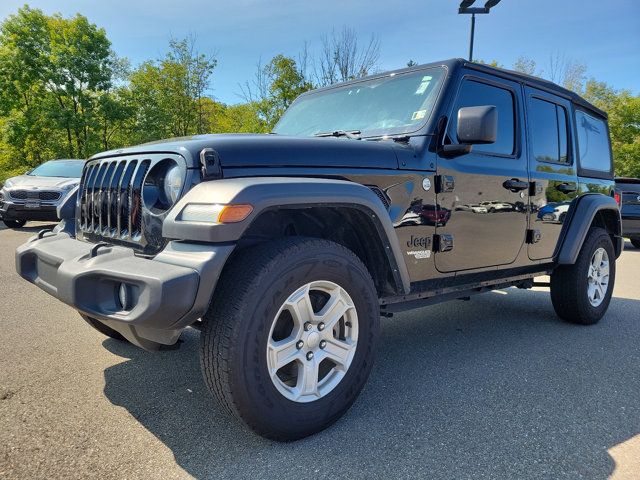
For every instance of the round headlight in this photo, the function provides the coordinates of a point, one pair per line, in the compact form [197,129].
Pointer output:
[162,186]
[172,184]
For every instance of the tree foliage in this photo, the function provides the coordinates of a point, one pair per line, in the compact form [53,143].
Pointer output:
[53,72]
[65,93]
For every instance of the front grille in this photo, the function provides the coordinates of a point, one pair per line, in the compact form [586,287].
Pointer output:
[111,207]
[47,196]
[111,198]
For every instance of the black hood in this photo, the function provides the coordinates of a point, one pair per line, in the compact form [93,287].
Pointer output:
[240,150]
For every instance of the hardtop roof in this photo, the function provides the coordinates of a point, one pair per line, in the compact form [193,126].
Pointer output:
[530,80]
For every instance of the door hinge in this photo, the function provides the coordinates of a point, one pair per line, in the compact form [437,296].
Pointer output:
[533,236]
[443,242]
[444,183]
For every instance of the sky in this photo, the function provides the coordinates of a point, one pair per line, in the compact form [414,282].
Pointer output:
[605,35]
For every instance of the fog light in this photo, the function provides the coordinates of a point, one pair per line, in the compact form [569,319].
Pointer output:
[123,296]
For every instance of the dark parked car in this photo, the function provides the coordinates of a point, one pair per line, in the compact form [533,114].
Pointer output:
[285,249]
[37,194]
[627,195]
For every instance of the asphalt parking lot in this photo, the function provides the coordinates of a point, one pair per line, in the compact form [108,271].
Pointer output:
[495,387]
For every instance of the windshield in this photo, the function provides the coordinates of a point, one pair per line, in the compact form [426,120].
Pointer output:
[390,105]
[59,168]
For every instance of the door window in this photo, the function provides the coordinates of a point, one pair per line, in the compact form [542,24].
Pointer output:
[548,127]
[474,94]
[593,143]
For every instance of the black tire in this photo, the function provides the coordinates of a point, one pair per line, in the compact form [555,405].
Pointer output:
[569,283]
[635,242]
[14,223]
[103,329]
[236,330]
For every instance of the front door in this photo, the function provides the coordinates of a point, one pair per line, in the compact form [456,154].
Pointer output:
[553,172]
[485,192]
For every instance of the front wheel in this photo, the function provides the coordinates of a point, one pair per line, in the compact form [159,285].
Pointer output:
[635,242]
[581,292]
[290,337]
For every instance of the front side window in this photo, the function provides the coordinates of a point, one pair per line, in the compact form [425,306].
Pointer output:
[474,94]
[593,143]
[393,104]
[548,127]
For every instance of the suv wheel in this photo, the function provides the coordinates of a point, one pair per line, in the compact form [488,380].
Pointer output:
[635,242]
[102,328]
[581,293]
[14,223]
[290,337]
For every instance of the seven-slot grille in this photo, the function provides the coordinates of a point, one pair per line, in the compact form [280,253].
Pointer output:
[111,198]
[43,195]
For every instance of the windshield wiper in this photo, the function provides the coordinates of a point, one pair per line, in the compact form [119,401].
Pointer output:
[353,134]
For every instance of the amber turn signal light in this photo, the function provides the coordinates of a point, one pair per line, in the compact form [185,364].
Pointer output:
[234,213]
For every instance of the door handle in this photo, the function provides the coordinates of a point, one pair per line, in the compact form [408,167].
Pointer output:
[514,185]
[566,188]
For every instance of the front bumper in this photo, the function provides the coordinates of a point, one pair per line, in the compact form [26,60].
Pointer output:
[18,211]
[168,292]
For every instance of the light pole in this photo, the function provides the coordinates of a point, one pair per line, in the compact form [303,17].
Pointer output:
[466,8]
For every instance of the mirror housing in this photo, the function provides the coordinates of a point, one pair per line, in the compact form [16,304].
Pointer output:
[477,125]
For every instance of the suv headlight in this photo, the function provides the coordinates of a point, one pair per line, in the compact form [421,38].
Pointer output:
[172,185]
[163,186]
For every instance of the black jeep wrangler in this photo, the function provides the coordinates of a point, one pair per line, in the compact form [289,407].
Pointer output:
[375,196]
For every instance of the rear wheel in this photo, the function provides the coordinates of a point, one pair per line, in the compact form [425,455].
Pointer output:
[102,328]
[635,242]
[14,223]
[290,337]
[581,293]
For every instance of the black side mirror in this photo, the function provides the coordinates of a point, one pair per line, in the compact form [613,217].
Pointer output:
[477,125]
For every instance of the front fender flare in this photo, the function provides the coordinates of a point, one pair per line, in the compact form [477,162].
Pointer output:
[289,192]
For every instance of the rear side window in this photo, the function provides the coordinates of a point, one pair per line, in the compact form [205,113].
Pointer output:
[548,126]
[593,143]
[473,94]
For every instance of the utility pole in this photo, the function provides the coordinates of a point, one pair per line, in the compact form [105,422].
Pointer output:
[466,8]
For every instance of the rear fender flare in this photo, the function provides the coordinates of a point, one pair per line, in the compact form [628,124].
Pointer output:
[581,219]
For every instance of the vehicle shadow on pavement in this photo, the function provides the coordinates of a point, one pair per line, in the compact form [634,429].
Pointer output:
[29,228]
[493,387]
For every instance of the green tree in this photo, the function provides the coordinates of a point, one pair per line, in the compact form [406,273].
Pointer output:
[52,73]
[169,95]
[240,118]
[623,109]
[277,84]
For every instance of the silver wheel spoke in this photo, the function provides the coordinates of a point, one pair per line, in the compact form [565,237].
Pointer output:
[308,378]
[334,310]
[338,351]
[597,258]
[299,305]
[282,353]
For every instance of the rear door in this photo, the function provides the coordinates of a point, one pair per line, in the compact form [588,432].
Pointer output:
[484,193]
[552,169]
